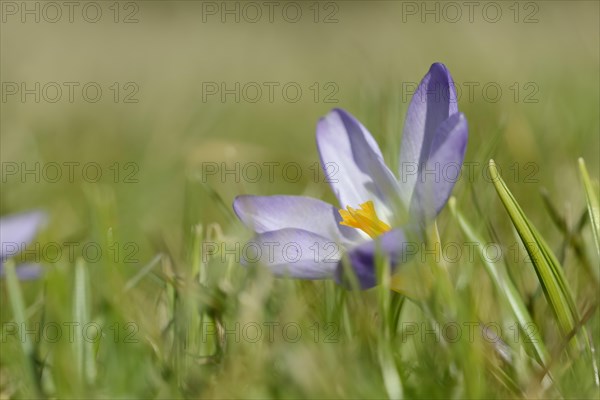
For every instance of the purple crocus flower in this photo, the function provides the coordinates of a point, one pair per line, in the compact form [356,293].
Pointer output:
[16,231]
[302,237]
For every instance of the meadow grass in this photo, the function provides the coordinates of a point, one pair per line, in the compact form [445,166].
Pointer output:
[513,315]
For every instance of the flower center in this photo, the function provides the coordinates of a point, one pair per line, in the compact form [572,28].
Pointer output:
[365,219]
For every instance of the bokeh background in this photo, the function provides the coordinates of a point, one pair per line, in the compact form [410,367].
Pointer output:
[371,52]
[155,60]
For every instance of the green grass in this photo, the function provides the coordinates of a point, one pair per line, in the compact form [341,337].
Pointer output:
[177,320]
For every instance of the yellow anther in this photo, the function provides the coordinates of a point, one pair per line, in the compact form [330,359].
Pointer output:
[365,219]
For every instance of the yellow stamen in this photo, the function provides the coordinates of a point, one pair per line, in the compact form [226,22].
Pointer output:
[365,219]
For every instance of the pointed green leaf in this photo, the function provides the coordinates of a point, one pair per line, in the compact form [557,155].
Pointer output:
[592,203]
[17,303]
[131,283]
[81,316]
[547,267]
[504,286]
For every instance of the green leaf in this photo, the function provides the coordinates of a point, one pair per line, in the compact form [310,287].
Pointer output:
[592,203]
[548,269]
[84,351]
[18,308]
[498,275]
[131,283]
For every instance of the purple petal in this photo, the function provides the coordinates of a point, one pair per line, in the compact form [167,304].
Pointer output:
[393,245]
[17,230]
[25,272]
[442,168]
[270,213]
[354,164]
[294,253]
[433,102]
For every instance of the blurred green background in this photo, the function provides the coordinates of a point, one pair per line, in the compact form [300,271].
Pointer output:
[363,56]
[371,54]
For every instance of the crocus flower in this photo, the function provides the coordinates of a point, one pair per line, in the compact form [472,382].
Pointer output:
[16,231]
[297,233]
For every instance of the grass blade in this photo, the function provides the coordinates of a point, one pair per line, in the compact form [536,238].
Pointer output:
[547,267]
[84,351]
[504,286]
[592,203]
[131,283]
[18,308]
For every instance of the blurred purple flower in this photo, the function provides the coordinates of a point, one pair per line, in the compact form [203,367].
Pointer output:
[310,239]
[16,231]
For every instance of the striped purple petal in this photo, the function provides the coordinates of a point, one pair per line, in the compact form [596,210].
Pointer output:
[433,102]
[442,168]
[17,230]
[354,164]
[25,272]
[270,213]
[294,253]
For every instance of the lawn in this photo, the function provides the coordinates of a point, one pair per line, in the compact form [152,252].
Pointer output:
[134,125]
